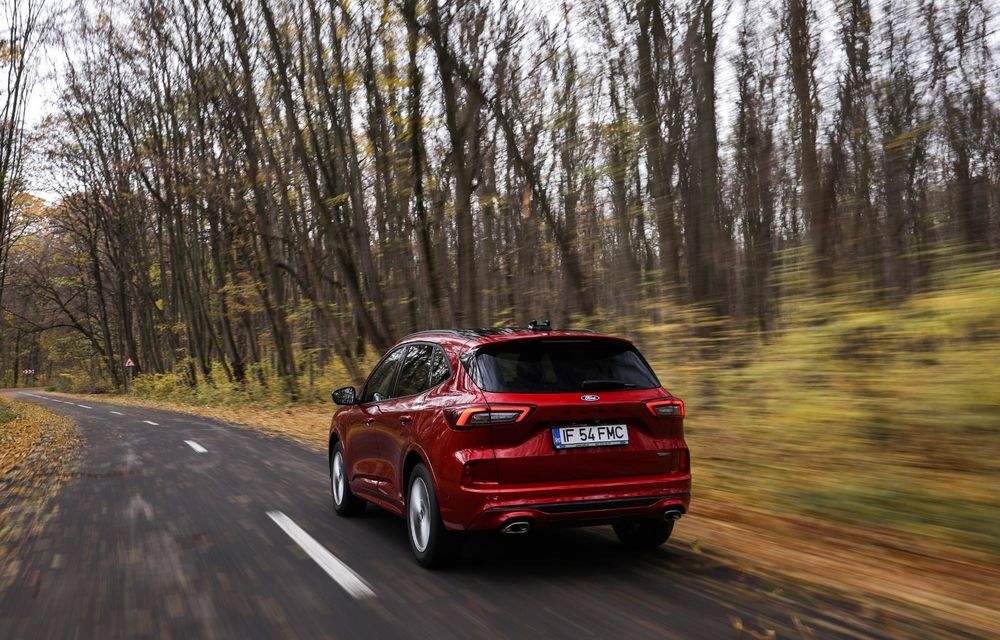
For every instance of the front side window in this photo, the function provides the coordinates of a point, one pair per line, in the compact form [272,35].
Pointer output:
[560,366]
[379,385]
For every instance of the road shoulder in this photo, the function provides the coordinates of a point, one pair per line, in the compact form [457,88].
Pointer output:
[39,451]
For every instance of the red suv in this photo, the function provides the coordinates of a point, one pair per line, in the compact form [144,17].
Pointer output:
[510,430]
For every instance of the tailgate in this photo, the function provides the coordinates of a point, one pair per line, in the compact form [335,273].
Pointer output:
[527,452]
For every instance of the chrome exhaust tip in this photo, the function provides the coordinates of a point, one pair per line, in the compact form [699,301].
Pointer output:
[516,526]
[672,515]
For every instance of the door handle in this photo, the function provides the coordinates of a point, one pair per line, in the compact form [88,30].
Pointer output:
[405,419]
[369,420]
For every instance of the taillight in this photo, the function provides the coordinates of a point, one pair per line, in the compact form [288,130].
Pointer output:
[666,408]
[484,416]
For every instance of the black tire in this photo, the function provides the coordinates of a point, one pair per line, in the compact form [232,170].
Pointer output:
[348,504]
[432,545]
[643,534]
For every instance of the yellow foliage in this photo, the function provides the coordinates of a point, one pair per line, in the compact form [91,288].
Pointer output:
[872,413]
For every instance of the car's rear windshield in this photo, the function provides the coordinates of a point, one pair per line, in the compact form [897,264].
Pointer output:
[560,366]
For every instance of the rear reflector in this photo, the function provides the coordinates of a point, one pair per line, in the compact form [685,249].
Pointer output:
[683,460]
[666,408]
[479,472]
[680,460]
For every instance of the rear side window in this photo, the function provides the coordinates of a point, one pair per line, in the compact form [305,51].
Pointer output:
[560,366]
[379,385]
[440,369]
[416,370]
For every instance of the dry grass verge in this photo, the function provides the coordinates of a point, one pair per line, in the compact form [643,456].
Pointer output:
[37,457]
[888,574]
[884,571]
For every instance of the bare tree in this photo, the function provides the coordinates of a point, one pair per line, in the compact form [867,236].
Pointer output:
[23,23]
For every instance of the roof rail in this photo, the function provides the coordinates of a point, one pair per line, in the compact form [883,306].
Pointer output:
[426,331]
[471,334]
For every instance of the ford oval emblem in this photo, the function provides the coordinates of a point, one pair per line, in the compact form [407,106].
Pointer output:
[590,398]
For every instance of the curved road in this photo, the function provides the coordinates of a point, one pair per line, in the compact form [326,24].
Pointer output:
[184,527]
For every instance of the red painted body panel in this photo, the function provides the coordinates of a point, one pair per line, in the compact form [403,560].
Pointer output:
[487,475]
[359,437]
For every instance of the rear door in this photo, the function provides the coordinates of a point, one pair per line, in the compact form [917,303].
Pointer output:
[590,419]
[402,415]
[363,454]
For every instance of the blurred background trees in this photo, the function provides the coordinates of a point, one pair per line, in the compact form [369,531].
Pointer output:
[252,191]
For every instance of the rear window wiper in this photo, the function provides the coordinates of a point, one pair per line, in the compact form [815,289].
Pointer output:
[606,384]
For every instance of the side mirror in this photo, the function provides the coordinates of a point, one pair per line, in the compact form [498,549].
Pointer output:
[344,395]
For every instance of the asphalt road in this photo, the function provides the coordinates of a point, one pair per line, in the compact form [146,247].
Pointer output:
[183,527]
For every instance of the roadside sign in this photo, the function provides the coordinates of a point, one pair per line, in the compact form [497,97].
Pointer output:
[129,372]
[28,372]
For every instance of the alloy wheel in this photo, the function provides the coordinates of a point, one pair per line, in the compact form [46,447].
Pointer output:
[419,515]
[337,478]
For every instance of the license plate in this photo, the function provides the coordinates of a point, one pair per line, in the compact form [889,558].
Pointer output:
[598,435]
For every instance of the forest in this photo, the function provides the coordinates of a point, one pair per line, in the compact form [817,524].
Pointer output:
[256,193]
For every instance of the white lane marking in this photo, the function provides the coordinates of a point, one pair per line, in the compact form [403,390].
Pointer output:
[137,505]
[197,447]
[334,567]
[83,406]
[117,414]
[151,422]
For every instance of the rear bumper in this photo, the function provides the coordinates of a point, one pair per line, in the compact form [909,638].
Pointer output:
[577,504]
